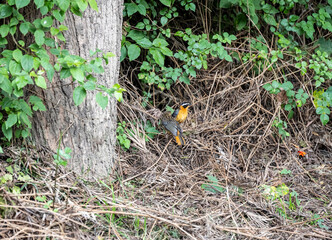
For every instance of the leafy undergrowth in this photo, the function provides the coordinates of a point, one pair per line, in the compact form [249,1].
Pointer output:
[236,176]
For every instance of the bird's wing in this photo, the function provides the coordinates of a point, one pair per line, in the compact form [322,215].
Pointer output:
[175,113]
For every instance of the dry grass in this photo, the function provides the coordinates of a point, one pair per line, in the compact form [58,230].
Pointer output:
[229,135]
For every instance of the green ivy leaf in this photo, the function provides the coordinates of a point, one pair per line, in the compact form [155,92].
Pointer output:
[93,5]
[47,22]
[40,82]
[17,55]
[14,67]
[157,56]
[5,11]
[123,53]
[89,85]
[11,120]
[24,28]
[37,103]
[77,74]
[166,2]
[8,133]
[141,9]
[269,19]
[4,29]
[27,62]
[144,43]
[158,42]
[21,3]
[133,52]
[63,4]
[79,95]
[131,8]
[39,37]
[101,100]
[48,68]
[163,20]
[5,84]
[39,3]
[324,118]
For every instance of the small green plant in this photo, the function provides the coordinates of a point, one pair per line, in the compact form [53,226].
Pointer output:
[285,172]
[277,195]
[322,102]
[322,66]
[281,126]
[213,185]
[121,136]
[319,222]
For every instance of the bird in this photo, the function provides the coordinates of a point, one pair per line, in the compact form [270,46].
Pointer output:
[173,127]
[181,114]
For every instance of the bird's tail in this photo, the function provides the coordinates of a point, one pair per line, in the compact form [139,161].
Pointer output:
[179,139]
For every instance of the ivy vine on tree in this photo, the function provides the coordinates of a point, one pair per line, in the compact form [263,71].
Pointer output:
[29,64]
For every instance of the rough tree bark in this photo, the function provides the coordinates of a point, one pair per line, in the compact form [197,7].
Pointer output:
[87,129]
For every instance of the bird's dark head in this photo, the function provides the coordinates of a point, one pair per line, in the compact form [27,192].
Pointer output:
[185,104]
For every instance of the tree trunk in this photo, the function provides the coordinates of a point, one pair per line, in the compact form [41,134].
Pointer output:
[87,129]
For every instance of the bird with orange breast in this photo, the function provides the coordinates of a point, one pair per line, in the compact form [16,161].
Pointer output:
[173,127]
[181,114]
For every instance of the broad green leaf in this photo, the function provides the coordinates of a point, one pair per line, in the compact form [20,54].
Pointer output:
[131,8]
[48,68]
[58,15]
[82,4]
[21,82]
[133,52]
[101,100]
[11,120]
[8,133]
[166,51]
[77,74]
[14,67]
[24,27]
[158,42]
[163,20]
[39,3]
[47,22]
[89,85]
[5,10]
[141,9]
[269,19]
[25,107]
[27,62]
[5,84]
[324,118]
[39,37]
[64,73]
[123,53]
[21,3]
[166,2]
[144,43]
[25,119]
[4,29]
[40,82]
[37,103]
[118,95]
[63,4]
[17,55]
[136,35]
[157,56]
[78,95]
[93,5]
